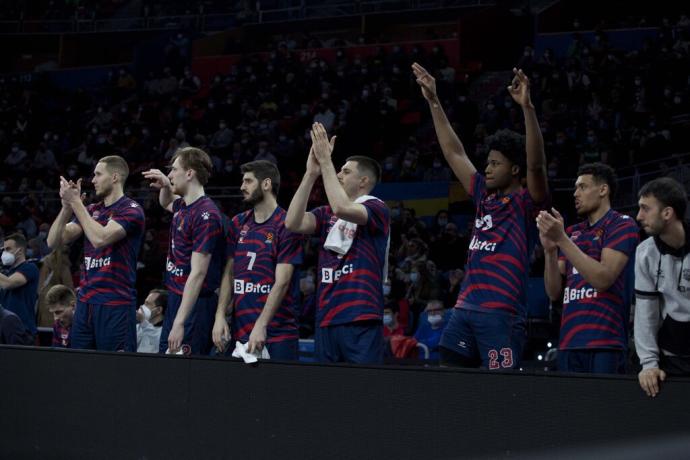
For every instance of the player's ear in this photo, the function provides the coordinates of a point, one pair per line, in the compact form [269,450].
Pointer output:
[515,170]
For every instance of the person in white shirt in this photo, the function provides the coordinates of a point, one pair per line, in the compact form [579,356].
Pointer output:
[150,320]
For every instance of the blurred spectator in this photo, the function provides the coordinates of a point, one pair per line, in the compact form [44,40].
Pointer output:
[390,322]
[61,301]
[150,321]
[431,324]
[12,330]
[19,283]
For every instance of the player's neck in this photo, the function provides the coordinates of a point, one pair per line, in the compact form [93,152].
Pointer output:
[194,192]
[674,235]
[112,197]
[265,208]
[598,213]
[512,188]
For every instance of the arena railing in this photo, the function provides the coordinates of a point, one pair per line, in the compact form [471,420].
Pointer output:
[206,22]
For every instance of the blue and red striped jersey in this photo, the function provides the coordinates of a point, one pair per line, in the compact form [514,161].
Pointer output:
[593,319]
[194,228]
[110,273]
[61,335]
[498,258]
[256,250]
[351,285]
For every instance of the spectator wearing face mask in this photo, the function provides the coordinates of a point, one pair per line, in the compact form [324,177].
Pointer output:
[19,287]
[391,326]
[150,321]
[431,323]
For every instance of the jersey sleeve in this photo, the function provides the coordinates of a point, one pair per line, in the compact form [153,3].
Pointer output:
[379,217]
[477,188]
[290,247]
[131,219]
[177,204]
[647,312]
[624,237]
[207,230]
[319,214]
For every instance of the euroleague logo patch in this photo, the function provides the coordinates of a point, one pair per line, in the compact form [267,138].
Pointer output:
[269,238]
[186,349]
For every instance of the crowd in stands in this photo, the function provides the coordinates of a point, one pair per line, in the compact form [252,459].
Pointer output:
[597,103]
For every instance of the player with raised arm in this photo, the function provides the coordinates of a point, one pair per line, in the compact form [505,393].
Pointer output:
[353,232]
[487,327]
[105,315]
[597,257]
[260,282]
[193,266]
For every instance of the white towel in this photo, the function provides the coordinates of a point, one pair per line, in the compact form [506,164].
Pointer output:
[241,351]
[342,235]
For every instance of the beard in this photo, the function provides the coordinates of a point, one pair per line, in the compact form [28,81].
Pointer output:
[255,197]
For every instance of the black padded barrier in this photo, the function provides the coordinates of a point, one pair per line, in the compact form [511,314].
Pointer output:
[68,404]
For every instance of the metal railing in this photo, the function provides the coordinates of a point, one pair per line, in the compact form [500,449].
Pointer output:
[206,22]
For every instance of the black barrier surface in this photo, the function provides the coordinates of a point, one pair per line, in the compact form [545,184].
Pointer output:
[66,404]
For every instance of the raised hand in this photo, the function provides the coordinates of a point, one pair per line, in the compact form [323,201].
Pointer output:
[519,89]
[157,177]
[426,82]
[551,227]
[313,167]
[321,145]
[69,191]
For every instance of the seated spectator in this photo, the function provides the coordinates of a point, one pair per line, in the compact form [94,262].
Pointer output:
[20,284]
[61,301]
[150,321]
[12,330]
[390,321]
[431,323]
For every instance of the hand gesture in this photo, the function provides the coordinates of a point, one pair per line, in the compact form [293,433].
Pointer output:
[321,146]
[175,337]
[69,191]
[313,167]
[519,89]
[426,82]
[157,178]
[551,227]
[650,379]
[221,333]
[257,339]
[548,244]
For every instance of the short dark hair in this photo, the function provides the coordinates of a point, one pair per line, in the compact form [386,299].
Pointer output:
[367,166]
[162,299]
[512,146]
[116,164]
[196,159]
[263,169]
[669,192]
[17,238]
[602,173]
[60,295]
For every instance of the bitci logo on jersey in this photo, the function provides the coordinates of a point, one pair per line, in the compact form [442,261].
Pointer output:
[247,287]
[330,276]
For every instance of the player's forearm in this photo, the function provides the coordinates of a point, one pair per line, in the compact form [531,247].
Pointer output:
[536,158]
[553,281]
[224,295]
[4,281]
[337,198]
[273,302]
[591,270]
[448,140]
[298,206]
[54,239]
[94,232]
[165,197]
[192,288]
[645,331]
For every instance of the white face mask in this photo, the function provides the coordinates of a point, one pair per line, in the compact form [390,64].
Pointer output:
[8,258]
[386,290]
[147,312]
[414,277]
[435,320]
[387,319]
